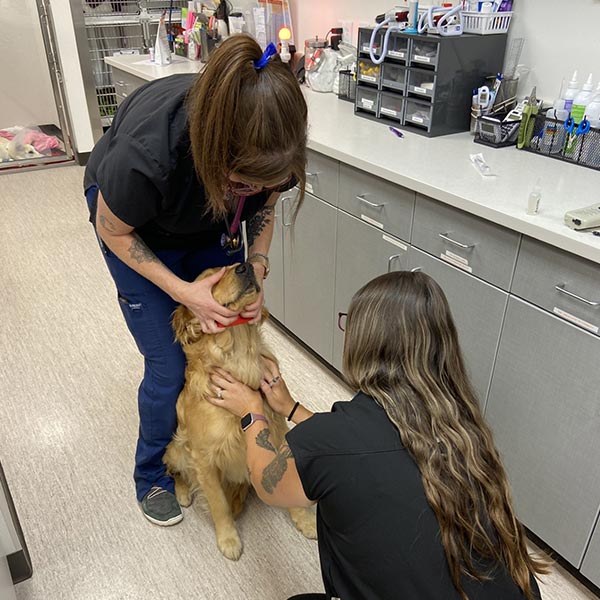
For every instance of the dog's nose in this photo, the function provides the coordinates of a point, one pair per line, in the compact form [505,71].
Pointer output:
[242,269]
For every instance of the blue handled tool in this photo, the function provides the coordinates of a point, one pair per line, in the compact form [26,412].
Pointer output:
[573,133]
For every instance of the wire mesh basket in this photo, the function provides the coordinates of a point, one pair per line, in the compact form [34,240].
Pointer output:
[550,138]
[347,89]
[486,23]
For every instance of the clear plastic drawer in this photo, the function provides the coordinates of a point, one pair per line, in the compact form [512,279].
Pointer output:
[398,47]
[421,82]
[364,42]
[367,99]
[393,77]
[418,113]
[391,106]
[424,53]
[368,72]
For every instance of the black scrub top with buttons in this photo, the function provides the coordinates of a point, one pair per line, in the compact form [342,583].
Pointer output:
[144,168]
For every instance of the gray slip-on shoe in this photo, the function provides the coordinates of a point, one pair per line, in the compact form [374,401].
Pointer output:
[161,507]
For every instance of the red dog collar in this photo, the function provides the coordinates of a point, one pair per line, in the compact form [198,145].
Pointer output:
[238,321]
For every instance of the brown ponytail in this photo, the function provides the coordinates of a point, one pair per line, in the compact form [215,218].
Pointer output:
[248,122]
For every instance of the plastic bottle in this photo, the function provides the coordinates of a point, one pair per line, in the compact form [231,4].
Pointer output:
[572,90]
[533,202]
[582,99]
[592,111]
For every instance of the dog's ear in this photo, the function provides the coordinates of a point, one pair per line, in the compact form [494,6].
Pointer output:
[186,327]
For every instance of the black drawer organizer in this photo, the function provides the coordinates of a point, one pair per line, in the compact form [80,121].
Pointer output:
[426,82]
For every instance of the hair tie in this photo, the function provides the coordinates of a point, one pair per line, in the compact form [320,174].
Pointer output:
[264,60]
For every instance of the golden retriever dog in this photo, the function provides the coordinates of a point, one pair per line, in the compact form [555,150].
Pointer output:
[208,450]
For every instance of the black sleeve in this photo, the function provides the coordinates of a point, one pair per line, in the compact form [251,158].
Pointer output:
[313,444]
[132,182]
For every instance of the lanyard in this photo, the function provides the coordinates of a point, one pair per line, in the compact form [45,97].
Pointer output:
[231,241]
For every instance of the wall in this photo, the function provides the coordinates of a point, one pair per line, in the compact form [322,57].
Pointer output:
[557,40]
[26,96]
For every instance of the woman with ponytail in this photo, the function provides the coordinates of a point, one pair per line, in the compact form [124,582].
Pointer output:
[186,161]
[413,500]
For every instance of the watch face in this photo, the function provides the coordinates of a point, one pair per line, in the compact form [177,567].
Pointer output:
[246,420]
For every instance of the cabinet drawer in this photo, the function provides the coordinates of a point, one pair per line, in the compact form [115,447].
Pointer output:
[474,245]
[560,282]
[322,175]
[385,205]
[125,83]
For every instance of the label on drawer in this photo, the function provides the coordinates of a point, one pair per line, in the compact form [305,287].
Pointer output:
[309,188]
[371,221]
[576,320]
[460,263]
[419,90]
[368,78]
[396,54]
[423,59]
[368,104]
[387,238]
[417,119]
[389,111]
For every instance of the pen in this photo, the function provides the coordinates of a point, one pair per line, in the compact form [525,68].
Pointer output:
[396,132]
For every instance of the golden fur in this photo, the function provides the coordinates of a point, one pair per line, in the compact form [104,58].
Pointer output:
[208,451]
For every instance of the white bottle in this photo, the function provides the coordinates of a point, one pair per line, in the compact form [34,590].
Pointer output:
[592,111]
[582,99]
[572,90]
[533,202]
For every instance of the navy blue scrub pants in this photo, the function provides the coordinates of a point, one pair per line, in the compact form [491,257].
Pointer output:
[147,311]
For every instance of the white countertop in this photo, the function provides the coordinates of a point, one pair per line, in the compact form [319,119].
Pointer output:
[140,66]
[440,168]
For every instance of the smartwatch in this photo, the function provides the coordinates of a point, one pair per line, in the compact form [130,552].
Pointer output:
[247,420]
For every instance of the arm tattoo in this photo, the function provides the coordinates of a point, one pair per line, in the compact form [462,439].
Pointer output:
[275,470]
[107,224]
[262,440]
[258,222]
[140,252]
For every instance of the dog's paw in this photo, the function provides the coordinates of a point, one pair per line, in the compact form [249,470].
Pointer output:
[230,545]
[305,520]
[183,493]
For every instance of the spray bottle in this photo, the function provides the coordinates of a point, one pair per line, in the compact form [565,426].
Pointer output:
[582,100]
[572,90]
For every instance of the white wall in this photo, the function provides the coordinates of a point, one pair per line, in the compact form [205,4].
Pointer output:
[560,35]
[26,96]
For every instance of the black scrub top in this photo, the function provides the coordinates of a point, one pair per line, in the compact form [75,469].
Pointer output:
[378,537]
[144,168]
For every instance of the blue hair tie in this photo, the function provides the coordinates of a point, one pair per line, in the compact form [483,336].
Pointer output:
[266,57]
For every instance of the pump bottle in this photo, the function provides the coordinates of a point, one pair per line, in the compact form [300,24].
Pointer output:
[572,90]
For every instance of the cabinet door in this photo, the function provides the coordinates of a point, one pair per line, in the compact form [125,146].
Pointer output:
[478,310]
[363,252]
[591,562]
[309,271]
[274,283]
[544,408]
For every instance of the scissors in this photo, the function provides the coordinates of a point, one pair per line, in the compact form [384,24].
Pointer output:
[530,110]
[572,133]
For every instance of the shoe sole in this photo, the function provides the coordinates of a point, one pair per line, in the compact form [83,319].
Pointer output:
[169,523]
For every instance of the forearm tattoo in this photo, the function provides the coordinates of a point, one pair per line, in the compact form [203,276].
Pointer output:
[140,252]
[258,222]
[273,473]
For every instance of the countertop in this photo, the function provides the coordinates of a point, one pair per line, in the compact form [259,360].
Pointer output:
[140,66]
[441,169]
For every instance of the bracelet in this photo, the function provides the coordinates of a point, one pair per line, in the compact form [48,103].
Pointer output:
[293,411]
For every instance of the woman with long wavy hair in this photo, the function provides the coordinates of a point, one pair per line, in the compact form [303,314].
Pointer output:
[413,500]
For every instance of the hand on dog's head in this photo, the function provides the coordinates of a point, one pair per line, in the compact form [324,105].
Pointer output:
[237,289]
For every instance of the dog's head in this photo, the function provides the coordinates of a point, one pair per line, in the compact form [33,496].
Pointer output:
[235,290]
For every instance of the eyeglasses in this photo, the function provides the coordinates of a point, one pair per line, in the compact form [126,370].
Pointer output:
[342,321]
[241,188]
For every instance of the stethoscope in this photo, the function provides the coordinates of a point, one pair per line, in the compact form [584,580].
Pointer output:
[231,241]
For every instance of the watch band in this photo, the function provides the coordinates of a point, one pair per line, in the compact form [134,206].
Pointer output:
[263,259]
[251,418]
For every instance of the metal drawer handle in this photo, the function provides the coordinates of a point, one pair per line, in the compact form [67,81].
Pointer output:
[121,83]
[311,175]
[391,259]
[283,211]
[561,288]
[362,198]
[416,270]
[445,237]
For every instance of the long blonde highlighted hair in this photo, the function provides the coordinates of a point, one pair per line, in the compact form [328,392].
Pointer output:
[401,348]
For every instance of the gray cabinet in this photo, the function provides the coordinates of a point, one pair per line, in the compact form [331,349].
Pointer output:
[478,310]
[363,252]
[274,284]
[309,271]
[591,563]
[544,408]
